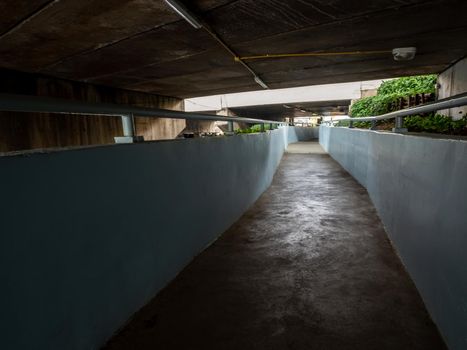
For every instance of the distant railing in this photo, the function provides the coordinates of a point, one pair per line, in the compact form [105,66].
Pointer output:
[450,102]
[37,104]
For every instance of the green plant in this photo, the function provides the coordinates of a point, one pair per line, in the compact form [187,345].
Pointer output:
[375,105]
[436,123]
[409,85]
[254,129]
[390,94]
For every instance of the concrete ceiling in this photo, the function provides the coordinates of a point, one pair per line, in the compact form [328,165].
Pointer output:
[143,45]
[304,109]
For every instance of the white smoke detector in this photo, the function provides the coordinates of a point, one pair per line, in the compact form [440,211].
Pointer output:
[404,53]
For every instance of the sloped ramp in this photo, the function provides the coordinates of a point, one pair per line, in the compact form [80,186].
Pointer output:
[309,266]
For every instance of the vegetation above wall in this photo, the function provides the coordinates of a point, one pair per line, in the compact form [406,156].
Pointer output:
[395,94]
[255,128]
[409,85]
[436,123]
[405,92]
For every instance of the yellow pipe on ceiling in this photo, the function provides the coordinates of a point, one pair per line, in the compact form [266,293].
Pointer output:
[310,54]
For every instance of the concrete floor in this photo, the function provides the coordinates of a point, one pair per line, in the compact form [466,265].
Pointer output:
[305,148]
[309,266]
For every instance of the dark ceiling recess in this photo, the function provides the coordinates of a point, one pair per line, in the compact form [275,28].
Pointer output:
[144,45]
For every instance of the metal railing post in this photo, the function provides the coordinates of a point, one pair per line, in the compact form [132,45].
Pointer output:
[128,126]
[399,127]
[351,124]
[230,128]
[270,126]
[262,127]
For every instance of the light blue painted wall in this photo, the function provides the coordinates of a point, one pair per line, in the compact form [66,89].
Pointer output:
[419,188]
[88,236]
[296,134]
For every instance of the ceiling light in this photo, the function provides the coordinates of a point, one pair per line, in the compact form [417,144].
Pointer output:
[260,82]
[404,53]
[185,13]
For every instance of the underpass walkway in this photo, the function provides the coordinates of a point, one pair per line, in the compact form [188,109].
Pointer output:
[308,266]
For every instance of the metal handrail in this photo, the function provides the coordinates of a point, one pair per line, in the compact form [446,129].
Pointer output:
[37,104]
[449,102]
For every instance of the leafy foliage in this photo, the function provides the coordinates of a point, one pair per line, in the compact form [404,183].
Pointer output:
[254,129]
[409,85]
[389,94]
[388,100]
[436,123]
[375,105]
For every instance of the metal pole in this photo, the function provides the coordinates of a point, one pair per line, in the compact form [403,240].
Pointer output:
[230,128]
[270,126]
[128,125]
[37,104]
[445,103]
[399,127]
[262,127]
[351,124]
